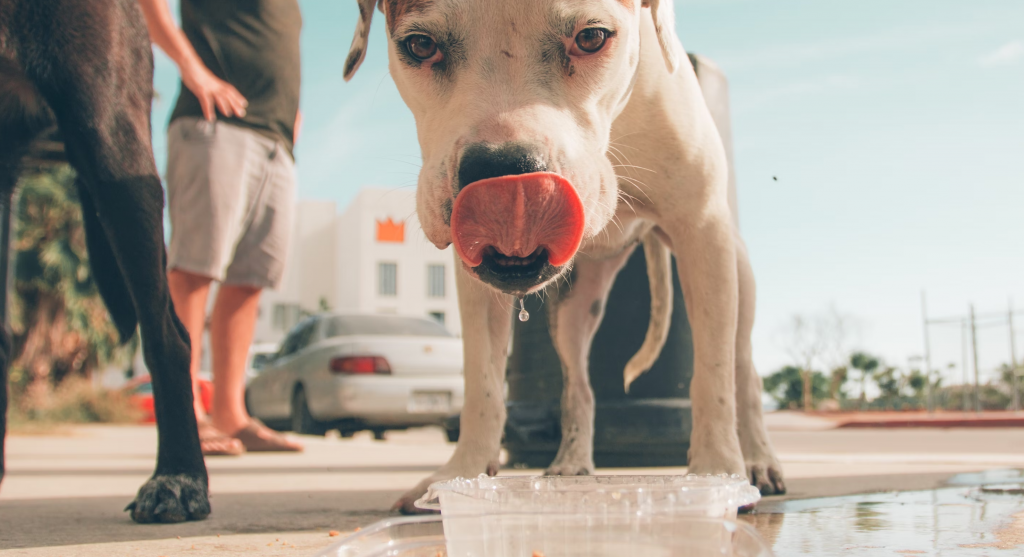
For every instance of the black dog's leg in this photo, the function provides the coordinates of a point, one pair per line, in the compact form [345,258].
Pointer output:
[22,116]
[8,177]
[105,269]
[129,216]
[98,81]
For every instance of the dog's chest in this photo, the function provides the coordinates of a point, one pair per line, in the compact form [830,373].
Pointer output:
[624,231]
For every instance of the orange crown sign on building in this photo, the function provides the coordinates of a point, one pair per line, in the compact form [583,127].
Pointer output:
[390,231]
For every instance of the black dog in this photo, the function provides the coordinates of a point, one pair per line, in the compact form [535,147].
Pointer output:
[87,66]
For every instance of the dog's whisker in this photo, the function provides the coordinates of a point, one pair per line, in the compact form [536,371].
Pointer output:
[624,162]
[631,166]
[634,180]
[615,148]
[640,186]
[623,136]
[619,158]
[417,165]
[627,202]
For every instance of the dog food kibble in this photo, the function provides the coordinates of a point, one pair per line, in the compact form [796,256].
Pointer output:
[333,533]
[537,554]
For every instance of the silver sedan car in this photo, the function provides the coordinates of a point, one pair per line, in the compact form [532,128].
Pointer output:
[358,372]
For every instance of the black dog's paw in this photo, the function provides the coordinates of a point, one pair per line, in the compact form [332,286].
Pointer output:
[170,498]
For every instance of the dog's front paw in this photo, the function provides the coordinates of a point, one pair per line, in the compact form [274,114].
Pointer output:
[406,504]
[715,459]
[765,473]
[171,498]
[571,466]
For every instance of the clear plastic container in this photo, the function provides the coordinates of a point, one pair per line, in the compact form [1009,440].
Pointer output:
[710,496]
[553,535]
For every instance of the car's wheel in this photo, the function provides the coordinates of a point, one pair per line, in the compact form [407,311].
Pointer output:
[302,421]
[248,403]
[451,428]
[453,434]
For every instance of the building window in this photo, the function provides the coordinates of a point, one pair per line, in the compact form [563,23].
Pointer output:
[437,316]
[435,281]
[387,279]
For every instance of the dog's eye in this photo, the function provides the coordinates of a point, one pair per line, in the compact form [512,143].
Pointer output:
[592,39]
[421,47]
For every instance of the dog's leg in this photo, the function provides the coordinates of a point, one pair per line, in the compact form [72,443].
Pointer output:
[486,323]
[763,467]
[98,81]
[706,260]
[8,179]
[22,116]
[575,311]
[129,224]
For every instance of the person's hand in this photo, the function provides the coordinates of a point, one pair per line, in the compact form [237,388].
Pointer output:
[214,94]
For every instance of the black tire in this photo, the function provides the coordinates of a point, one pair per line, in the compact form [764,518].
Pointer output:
[378,434]
[302,421]
[248,405]
[453,435]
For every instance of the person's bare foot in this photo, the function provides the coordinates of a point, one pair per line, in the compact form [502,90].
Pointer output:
[215,442]
[257,438]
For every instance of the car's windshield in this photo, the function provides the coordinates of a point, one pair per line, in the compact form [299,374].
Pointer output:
[260,359]
[345,325]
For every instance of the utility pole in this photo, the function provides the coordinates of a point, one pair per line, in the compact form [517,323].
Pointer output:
[927,355]
[964,366]
[1013,363]
[974,350]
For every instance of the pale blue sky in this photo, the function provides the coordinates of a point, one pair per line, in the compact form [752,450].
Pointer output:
[895,128]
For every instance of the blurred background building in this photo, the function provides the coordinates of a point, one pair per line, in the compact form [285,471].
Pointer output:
[371,258]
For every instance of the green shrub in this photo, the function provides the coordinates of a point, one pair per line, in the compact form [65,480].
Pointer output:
[77,401]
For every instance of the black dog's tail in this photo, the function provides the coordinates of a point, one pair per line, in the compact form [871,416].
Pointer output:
[105,270]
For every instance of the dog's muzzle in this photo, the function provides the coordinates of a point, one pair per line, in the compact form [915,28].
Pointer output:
[516,231]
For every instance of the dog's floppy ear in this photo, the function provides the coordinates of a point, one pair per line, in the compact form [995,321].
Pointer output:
[357,51]
[664,16]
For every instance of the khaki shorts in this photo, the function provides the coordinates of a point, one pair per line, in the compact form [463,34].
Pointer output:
[231,197]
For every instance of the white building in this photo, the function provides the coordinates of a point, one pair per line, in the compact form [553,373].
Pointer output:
[373,258]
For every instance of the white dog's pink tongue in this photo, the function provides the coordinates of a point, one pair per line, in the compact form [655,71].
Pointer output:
[517,215]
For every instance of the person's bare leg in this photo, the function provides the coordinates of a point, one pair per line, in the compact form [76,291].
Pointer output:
[189,293]
[232,327]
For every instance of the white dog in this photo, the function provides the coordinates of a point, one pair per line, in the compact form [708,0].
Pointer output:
[556,135]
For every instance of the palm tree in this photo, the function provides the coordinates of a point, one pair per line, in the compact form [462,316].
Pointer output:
[866,365]
[890,383]
[59,323]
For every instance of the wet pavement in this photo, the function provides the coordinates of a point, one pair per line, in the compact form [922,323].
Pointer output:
[851,492]
[981,514]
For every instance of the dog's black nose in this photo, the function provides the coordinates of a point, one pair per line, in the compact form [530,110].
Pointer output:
[482,160]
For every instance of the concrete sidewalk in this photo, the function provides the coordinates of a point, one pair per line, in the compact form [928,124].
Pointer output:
[64,492]
[816,421]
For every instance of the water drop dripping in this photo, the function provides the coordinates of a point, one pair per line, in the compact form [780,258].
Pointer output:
[523,314]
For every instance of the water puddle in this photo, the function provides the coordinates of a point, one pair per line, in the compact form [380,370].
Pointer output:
[983,514]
